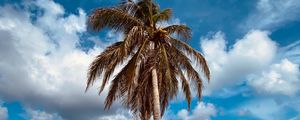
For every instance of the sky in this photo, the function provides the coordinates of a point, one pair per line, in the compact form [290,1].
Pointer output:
[252,48]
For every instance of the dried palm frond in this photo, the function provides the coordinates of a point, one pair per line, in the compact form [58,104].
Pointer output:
[182,31]
[186,89]
[185,64]
[194,54]
[128,6]
[124,79]
[140,101]
[146,9]
[101,62]
[112,18]
[113,56]
[163,16]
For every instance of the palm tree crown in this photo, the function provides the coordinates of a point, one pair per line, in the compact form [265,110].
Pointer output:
[148,48]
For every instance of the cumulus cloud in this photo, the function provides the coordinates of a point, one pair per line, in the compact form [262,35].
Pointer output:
[42,66]
[229,66]
[265,109]
[41,115]
[249,60]
[282,78]
[268,108]
[203,111]
[272,13]
[120,115]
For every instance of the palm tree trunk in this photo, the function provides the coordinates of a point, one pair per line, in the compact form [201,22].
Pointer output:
[156,105]
[156,102]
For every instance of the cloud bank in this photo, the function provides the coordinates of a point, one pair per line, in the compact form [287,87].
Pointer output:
[42,65]
[256,63]
[255,60]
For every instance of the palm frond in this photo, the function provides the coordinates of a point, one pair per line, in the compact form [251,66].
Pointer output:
[128,6]
[182,31]
[108,71]
[114,56]
[113,18]
[124,79]
[143,11]
[100,63]
[140,100]
[165,61]
[134,38]
[194,54]
[167,81]
[163,16]
[186,89]
[185,64]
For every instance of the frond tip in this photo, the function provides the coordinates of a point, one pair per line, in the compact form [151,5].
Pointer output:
[106,61]
[182,31]
[113,18]
[163,16]
[194,54]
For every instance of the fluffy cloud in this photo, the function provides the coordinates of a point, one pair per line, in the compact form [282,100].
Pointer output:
[282,78]
[265,109]
[120,115]
[41,64]
[41,115]
[250,54]
[249,60]
[203,111]
[272,13]
[268,108]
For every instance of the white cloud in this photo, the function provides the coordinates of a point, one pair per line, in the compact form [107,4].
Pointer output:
[203,111]
[256,63]
[120,115]
[271,108]
[250,54]
[41,65]
[254,60]
[41,115]
[3,113]
[282,78]
[272,13]
[265,109]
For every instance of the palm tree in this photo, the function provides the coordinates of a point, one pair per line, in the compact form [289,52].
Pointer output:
[158,59]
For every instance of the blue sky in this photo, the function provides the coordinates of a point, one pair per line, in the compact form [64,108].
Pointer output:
[252,47]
